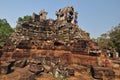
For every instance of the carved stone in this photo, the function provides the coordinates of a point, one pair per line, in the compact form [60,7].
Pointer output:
[43,15]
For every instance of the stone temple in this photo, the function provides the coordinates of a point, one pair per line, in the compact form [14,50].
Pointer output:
[41,36]
[42,43]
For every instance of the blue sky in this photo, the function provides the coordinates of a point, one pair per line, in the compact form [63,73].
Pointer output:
[95,16]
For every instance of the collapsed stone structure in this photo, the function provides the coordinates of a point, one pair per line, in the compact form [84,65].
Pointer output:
[49,34]
[39,39]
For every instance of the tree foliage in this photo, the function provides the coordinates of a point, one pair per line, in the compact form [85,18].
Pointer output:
[115,37]
[111,38]
[5,31]
[24,19]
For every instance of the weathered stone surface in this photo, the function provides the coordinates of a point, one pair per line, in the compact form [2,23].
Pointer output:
[37,69]
[27,76]
[5,68]
[47,68]
[11,61]
[21,63]
[100,72]
[71,71]
[0,51]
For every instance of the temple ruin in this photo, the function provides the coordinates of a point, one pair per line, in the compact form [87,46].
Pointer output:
[49,45]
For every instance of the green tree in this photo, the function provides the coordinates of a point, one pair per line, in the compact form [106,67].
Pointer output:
[111,39]
[5,31]
[114,35]
[24,19]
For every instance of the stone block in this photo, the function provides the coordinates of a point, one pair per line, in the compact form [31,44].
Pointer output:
[5,68]
[21,63]
[36,69]
[27,76]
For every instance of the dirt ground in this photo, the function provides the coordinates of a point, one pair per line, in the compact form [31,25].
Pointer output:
[81,73]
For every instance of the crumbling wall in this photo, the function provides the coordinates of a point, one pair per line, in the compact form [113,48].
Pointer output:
[40,33]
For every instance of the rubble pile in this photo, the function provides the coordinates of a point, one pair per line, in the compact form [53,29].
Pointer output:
[51,65]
